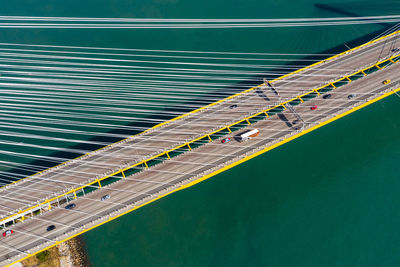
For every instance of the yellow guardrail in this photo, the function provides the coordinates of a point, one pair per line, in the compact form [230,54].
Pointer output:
[391,60]
[394,91]
[219,101]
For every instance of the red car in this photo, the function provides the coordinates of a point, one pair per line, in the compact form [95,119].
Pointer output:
[8,232]
[314,107]
[226,140]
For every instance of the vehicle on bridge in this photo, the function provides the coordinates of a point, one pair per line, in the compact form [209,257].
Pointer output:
[351,96]
[226,140]
[51,227]
[386,81]
[233,106]
[105,197]
[8,233]
[326,96]
[70,206]
[314,107]
[248,134]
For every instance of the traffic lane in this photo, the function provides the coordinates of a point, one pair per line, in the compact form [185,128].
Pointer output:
[78,180]
[370,81]
[360,87]
[205,122]
[21,240]
[7,252]
[229,149]
[364,56]
[61,211]
[40,189]
[218,148]
[325,109]
[360,64]
[39,231]
[69,217]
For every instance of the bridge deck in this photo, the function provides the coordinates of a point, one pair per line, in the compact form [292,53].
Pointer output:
[147,185]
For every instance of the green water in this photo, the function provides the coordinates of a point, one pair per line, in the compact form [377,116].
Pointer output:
[329,198]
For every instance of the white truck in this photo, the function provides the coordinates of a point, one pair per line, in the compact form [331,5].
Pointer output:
[248,134]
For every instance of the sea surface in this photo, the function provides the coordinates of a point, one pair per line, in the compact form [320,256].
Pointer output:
[329,198]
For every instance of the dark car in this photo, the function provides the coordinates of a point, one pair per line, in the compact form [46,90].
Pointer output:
[51,227]
[70,206]
[395,50]
[326,96]
[233,106]
[351,96]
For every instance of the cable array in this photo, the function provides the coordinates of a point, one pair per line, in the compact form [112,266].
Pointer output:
[58,102]
[151,23]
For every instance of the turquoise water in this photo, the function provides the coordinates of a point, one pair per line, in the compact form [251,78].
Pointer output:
[329,198]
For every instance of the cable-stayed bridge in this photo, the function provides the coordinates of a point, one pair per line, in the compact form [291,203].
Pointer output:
[187,149]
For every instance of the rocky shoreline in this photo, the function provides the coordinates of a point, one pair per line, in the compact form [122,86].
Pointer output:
[71,253]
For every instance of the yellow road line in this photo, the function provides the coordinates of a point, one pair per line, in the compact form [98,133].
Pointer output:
[223,169]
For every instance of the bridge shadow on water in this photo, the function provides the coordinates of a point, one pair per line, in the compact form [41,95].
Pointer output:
[256,80]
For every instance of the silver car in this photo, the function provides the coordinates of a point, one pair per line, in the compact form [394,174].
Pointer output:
[105,197]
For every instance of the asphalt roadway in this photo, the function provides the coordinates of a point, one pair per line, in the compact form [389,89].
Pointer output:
[31,235]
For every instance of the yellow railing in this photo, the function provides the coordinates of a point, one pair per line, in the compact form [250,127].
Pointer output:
[111,218]
[208,136]
[219,101]
[391,60]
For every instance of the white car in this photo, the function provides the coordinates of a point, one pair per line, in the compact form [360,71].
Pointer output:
[105,197]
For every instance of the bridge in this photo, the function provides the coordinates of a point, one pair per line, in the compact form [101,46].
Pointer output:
[186,150]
